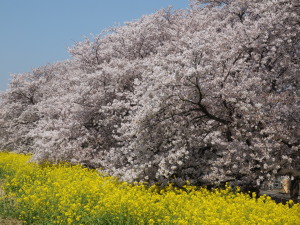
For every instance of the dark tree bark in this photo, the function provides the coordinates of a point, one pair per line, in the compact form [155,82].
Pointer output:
[294,188]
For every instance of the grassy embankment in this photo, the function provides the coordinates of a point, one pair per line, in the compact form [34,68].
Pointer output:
[64,194]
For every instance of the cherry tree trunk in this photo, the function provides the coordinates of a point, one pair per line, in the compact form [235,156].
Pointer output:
[294,188]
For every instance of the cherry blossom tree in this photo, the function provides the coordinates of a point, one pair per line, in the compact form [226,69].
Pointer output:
[220,99]
[209,94]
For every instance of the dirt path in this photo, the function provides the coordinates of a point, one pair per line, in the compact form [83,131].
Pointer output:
[278,195]
[10,222]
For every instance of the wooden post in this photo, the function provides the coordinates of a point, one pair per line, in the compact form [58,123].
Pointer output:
[285,185]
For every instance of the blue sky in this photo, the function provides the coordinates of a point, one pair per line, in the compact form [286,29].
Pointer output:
[36,32]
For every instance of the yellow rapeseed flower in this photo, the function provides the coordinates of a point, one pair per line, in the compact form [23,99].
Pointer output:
[65,194]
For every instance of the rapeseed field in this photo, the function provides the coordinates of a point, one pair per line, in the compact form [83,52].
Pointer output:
[65,194]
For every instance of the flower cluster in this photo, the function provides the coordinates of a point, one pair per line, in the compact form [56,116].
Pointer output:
[208,94]
[65,194]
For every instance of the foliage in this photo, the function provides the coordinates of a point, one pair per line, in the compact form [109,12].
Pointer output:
[209,94]
[65,194]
